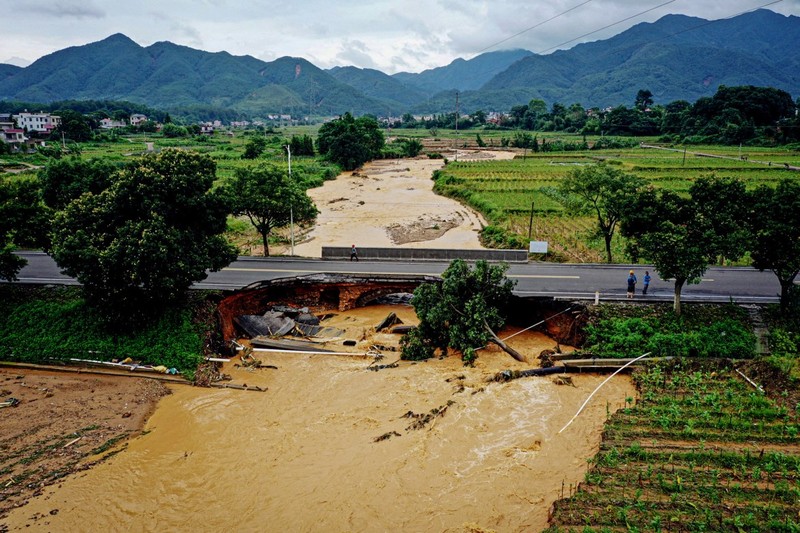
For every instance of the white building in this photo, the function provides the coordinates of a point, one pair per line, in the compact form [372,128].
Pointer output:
[137,119]
[38,122]
[108,123]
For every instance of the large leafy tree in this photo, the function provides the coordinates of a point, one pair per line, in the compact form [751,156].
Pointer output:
[74,126]
[139,244]
[64,180]
[681,236]
[644,99]
[23,222]
[775,225]
[269,198]
[605,192]
[461,312]
[350,142]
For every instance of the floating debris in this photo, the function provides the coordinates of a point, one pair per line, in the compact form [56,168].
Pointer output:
[386,436]
[376,368]
[421,420]
[390,320]
[563,380]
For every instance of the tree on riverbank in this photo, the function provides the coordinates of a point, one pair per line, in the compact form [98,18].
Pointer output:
[350,142]
[683,236]
[270,199]
[462,312]
[138,245]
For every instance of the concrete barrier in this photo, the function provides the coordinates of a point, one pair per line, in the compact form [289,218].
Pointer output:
[339,253]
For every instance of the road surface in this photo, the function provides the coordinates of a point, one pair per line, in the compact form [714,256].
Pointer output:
[563,281]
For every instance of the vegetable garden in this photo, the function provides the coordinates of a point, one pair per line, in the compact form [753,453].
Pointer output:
[702,450]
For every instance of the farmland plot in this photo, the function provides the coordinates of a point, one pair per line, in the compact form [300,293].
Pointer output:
[698,434]
[509,193]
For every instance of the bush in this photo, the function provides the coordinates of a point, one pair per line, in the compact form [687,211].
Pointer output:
[55,324]
[669,336]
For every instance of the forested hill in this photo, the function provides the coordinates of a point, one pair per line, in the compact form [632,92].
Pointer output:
[676,58]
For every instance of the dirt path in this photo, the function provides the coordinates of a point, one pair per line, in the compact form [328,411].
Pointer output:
[391,203]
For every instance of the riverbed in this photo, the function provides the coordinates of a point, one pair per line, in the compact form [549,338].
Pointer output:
[332,446]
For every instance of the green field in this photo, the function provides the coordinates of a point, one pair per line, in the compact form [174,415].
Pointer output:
[511,192]
[702,450]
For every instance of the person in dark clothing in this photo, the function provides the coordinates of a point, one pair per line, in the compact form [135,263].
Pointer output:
[631,284]
[646,281]
[353,253]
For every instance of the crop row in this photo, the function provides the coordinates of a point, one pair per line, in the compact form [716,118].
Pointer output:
[685,459]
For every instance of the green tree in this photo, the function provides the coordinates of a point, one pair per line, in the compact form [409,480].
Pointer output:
[644,99]
[269,198]
[682,236]
[138,245]
[302,145]
[604,191]
[350,142]
[171,130]
[462,312]
[774,219]
[254,147]
[63,180]
[23,222]
[74,126]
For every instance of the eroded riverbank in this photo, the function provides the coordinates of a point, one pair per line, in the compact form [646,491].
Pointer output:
[303,456]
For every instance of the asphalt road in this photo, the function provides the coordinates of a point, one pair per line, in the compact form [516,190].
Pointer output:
[567,281]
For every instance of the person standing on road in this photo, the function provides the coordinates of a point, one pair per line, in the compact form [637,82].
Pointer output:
[645,281]
[631,284]
[353,253]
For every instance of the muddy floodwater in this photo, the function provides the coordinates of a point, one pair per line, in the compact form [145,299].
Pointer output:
[330,447]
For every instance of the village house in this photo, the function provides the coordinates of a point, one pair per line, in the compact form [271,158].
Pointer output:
[37,122]
[137,119]
[108,123]
[13,136]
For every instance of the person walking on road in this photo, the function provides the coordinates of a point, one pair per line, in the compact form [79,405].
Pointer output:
[631,284]
[353,253]
[645,281]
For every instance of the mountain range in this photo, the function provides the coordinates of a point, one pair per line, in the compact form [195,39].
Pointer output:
[676,58]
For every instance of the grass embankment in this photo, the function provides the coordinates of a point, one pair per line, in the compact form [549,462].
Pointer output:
[701,451]
[506,192]
[703,330]
[46,324]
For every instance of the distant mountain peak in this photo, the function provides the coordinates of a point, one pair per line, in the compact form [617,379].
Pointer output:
[676,57]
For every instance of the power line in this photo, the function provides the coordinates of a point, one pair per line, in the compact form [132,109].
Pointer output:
[706,23]
[532,27]
[608,26]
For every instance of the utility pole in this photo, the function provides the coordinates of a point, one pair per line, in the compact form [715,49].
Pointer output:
[530,224]
[456,143]
[291,208]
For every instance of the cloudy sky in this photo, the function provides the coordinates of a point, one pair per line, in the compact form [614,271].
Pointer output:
[388,35]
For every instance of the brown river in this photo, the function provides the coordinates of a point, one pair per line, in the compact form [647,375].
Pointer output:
[306,455]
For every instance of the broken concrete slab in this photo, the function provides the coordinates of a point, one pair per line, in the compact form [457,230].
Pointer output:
[390,320]
[255,325]
[284,344]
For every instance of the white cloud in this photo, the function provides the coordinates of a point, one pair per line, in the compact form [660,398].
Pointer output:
[390,35]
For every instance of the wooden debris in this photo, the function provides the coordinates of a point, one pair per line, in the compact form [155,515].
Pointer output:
[386,436]
[421,420]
